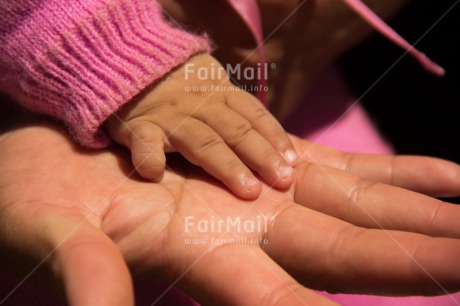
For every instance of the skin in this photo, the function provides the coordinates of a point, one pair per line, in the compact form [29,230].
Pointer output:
[326,232]
[225,132]
[301,37]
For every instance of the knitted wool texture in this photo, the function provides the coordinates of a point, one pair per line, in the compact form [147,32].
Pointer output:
[81,60]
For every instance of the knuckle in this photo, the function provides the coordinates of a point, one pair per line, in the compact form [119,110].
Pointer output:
[274,131]
[233,166]
[259,114]
[149,167]
[146,136]
[141,131]
[359,191]
[239,133]
[347,161]
[209,143]
[145,154]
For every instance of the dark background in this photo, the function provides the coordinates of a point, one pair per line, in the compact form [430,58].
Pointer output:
[417,112]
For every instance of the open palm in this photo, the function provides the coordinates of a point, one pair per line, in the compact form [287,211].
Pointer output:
[95,222]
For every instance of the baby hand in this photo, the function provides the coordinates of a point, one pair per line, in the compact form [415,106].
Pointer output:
[224,131]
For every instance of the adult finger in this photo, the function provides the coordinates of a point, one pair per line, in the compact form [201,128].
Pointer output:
[373,205]
[219,278]
[431,176]
[250,146]
[85,262]
[328,254]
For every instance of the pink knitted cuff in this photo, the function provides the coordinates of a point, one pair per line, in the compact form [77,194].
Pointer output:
[81,60]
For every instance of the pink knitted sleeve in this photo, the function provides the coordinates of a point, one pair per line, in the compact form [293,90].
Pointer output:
[80,60]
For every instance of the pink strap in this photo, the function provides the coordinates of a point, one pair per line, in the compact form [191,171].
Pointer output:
[367,14]
[250,13]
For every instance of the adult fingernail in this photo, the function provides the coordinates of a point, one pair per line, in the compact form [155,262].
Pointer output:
[290,156]
[250,184]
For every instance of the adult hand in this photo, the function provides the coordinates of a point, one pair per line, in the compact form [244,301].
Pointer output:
[91,218]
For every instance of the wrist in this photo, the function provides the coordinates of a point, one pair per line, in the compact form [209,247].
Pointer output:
[82,60]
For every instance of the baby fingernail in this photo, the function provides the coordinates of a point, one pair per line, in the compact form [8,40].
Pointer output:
[250,184]
[290,156]
[286,173]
